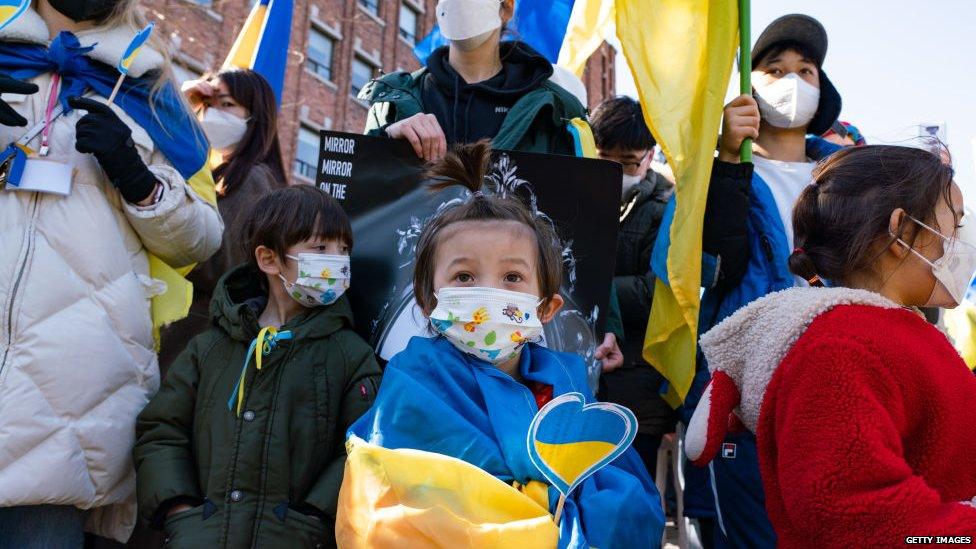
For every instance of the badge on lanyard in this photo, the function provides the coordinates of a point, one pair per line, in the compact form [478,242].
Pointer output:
[23,170]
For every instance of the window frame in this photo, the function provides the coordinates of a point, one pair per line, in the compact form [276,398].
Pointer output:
[313,65]
[352,73]
[300,166]
[411,39]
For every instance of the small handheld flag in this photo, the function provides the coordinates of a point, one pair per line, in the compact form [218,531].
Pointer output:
[568,440]
[129,56]
[10,10]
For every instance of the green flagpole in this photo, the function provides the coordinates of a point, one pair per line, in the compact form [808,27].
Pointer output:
[745,68]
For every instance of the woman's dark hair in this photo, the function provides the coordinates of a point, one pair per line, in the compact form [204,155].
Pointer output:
[291,215]
[618,123]
[842,217]
[260,142]
[466,166]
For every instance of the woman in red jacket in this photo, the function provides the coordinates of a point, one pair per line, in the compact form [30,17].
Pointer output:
[864,412]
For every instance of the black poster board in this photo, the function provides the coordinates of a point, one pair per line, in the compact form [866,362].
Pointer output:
[380,184]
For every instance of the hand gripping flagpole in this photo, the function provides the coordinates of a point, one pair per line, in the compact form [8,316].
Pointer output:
[745,68]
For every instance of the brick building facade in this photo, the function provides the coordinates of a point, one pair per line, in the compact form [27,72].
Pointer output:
[336,46]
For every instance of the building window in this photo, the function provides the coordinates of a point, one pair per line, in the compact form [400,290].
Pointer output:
[319,57]
[372,6]
[362,73]
[408,22]
[307,153]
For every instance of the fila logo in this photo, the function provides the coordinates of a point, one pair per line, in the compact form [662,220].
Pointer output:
[728,450]
[500,110]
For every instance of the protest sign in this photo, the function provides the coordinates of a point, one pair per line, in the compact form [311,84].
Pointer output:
[380,183]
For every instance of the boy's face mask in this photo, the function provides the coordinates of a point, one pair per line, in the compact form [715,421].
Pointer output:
[788,102]
[487,323]
[84,10]
[322,279]
[955,269]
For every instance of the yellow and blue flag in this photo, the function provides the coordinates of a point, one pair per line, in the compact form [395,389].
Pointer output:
[10,10]
[262,44]
[680,53]
[132,50]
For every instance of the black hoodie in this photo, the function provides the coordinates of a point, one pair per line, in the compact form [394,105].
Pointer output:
[469,112]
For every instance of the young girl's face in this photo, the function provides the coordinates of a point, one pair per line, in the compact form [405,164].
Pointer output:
[490,254]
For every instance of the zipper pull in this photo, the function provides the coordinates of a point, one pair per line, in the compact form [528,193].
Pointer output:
[362,391]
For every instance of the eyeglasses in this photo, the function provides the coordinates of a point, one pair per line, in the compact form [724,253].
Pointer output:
[630,167]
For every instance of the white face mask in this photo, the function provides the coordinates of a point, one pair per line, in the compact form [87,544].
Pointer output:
[463,19]
[955,269]
[788,102]
[223,129]
[629,182]
[322,279]
[490,324]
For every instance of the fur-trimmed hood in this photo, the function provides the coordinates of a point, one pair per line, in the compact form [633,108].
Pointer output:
[110,43]
[744,351]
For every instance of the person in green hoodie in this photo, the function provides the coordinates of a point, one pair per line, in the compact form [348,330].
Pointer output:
[243,446]
[476,87]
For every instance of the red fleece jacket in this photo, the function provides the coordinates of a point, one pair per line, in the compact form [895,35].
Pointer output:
[867,433]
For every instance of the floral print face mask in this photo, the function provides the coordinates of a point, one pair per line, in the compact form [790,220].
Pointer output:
[322,278]
[487,323]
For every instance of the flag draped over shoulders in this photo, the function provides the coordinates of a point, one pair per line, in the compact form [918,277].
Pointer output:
[452,407]
[680,53]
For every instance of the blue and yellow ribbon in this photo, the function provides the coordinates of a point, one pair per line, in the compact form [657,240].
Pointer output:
[268,339]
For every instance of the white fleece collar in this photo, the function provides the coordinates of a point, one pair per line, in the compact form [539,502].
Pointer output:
[110,43]
[750,344]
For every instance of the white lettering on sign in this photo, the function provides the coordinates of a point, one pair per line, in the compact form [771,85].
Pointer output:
[339,145]
[337,168]
[337,190]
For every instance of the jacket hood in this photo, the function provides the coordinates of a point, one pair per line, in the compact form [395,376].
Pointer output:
[744,351]
[523,70]
[110,42]
[238,300]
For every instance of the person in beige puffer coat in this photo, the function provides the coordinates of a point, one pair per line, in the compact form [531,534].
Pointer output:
[77,359]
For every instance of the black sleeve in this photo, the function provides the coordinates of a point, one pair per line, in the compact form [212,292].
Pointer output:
[725,235]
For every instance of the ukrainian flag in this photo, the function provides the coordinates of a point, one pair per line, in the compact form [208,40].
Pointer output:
[680,53]
[262,44]
[10,10]
[132,51]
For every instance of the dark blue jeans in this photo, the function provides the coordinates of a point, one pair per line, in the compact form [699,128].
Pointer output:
[42,527]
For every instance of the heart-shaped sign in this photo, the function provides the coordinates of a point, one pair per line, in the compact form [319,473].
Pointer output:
[569,440]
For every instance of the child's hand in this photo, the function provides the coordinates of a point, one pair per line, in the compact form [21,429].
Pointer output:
[178,508]
[609,353]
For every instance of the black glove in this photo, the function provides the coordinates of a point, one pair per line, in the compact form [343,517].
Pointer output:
[8,116]
[103,134]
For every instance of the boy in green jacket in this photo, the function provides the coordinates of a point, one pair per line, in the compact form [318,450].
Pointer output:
[243,446]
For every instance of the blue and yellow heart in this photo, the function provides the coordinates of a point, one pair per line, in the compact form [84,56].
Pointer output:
[569,440]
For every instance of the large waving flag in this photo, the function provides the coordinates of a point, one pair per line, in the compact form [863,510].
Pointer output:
[539,23]
[262,44]
[680,53]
